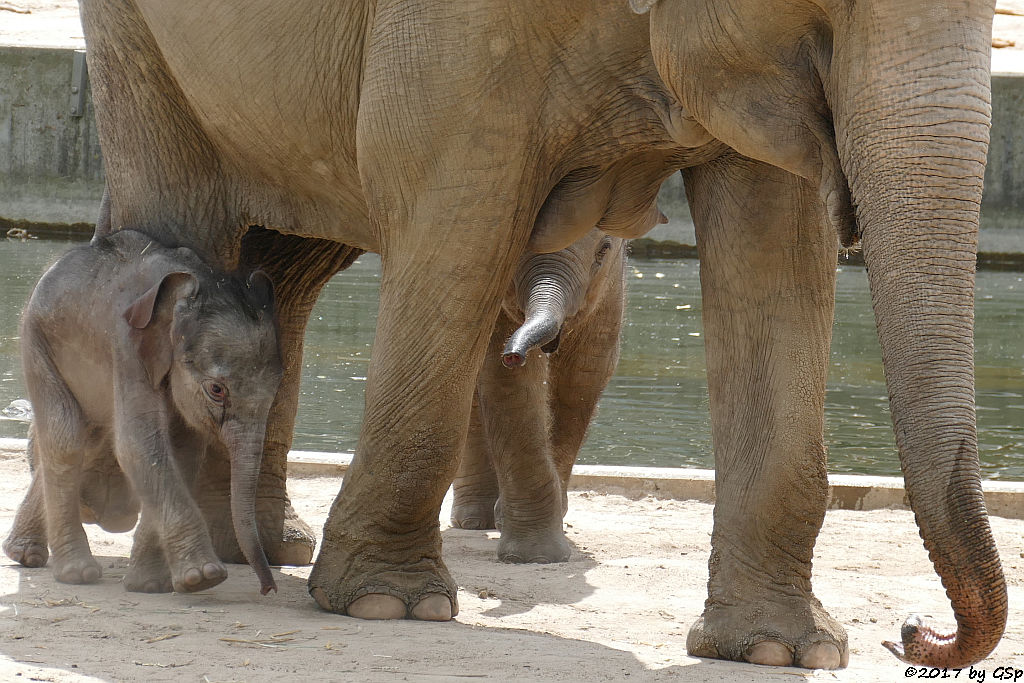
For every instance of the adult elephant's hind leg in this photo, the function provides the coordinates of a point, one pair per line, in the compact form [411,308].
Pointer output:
[381,551]
[299,267]
[768,281]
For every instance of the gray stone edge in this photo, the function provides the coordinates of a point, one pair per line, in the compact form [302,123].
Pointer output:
[846,491]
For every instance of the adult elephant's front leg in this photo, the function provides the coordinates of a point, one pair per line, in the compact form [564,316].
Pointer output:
[381,552]
[299,268]
[768,282]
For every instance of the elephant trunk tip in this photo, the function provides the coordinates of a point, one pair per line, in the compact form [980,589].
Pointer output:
[513,359]
[267,584]
[923,645]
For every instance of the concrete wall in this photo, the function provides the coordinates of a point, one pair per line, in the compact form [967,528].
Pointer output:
[51,170]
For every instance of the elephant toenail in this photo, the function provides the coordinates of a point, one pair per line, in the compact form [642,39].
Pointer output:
[377,606]
[320,596]
[821,656]
[770,653]
[434,607]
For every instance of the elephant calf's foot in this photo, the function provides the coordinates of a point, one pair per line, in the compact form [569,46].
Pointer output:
[138,580]
[473,515]
[28,552]
[197,575]
[544,547]
[427,594]
[795,633]
[77,569]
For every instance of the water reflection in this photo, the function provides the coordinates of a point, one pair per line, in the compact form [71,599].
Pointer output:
[655,411]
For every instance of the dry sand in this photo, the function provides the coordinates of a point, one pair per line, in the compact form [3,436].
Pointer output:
[618,610]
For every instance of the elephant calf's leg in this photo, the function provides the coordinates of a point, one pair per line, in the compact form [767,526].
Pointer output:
[767,281]
[148,570]
[26,544]
[515,413]
[59,435]
[475,488]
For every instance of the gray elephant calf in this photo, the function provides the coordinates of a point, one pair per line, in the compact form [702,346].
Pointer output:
[529,420]
[143,354]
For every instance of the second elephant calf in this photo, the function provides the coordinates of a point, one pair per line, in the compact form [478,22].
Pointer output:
[529,420]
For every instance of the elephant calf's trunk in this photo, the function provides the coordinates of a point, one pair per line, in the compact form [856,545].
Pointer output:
[540,329]
[245,470]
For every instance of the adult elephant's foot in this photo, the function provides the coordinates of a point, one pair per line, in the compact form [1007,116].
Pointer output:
[525,545]
[294,545]
[287,540]
[28,552]
[425,592]
[473,514]
[795,632]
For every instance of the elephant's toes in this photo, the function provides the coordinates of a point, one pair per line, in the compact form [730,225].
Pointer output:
[26,551]
[769,653]
[425,592]
[822,656]
[139,582]
[545,548]
[473,515]
[799,634]
[296,545]
[377,606]
[78,571]
[433,607]
[193,579]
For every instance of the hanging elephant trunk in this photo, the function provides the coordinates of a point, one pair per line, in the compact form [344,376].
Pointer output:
[245,446]
[550,288]
[902,126]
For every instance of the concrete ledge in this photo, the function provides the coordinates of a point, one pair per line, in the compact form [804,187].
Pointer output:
[846,491]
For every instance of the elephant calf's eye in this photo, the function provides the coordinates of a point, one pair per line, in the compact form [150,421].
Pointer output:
[606,245]
[216,391]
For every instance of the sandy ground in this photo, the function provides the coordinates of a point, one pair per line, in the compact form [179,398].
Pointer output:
[618,610]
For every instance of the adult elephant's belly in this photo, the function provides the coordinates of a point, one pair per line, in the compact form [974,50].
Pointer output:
[281,113]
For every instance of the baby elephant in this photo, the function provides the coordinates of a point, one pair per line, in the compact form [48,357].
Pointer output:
[529,419]
[143,354]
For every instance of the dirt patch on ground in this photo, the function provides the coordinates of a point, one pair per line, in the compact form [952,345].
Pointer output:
[618,610]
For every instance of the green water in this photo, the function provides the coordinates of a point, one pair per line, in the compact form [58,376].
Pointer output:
[655,411]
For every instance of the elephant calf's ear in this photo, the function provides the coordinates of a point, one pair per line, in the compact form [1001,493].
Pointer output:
[642,6]
[140,313]
[154,345]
